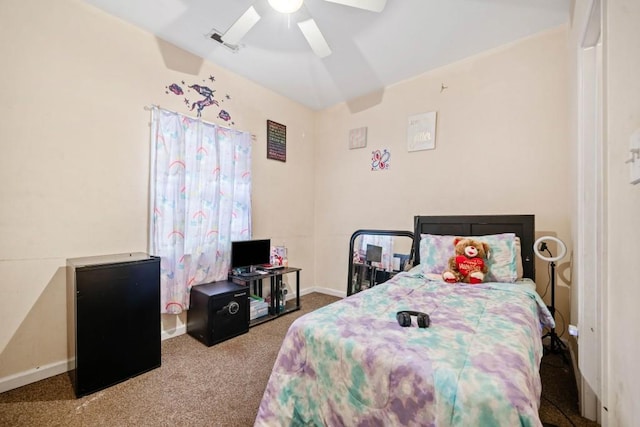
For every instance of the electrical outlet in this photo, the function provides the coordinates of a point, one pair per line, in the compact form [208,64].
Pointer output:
[634,161]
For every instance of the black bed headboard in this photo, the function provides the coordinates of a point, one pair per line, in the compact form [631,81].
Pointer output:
[478,225]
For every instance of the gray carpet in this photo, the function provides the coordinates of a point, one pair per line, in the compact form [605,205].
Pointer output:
[214,386]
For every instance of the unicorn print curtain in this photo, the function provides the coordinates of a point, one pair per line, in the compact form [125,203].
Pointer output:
[200,201]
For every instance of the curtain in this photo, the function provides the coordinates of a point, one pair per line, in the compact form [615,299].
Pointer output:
[200,200]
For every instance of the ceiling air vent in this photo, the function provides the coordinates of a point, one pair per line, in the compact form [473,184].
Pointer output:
[217,36]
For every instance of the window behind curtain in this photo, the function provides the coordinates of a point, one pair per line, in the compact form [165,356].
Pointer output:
[386,242]
[200,200]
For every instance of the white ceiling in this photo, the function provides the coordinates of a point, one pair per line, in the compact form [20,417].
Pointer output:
[370,50]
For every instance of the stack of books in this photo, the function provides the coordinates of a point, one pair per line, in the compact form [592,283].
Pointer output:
[258,307]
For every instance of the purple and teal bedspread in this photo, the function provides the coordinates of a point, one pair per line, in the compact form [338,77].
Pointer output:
[351,364]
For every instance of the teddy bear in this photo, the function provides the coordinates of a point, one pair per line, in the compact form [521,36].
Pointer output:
[468,264]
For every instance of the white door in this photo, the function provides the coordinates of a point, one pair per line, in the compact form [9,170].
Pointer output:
[591,227]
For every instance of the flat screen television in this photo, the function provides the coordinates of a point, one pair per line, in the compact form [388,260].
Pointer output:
[250,253]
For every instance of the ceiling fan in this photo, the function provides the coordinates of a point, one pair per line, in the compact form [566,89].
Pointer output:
[308,27]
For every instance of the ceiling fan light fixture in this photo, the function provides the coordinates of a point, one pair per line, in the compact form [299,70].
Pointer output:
[315,38]
[371,5]
[286,6]
[241,27]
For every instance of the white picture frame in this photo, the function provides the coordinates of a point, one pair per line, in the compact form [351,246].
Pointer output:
[421,131]
[358,138]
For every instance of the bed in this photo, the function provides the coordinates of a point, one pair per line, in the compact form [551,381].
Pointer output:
[351,363]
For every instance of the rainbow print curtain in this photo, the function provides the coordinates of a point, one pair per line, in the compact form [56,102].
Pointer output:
[200,201]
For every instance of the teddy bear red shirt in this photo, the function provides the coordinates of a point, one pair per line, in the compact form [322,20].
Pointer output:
[467,266]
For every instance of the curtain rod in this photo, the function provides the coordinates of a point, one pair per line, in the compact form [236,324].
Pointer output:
[157,107]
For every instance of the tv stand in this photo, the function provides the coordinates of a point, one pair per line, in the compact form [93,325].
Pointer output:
[246,274]
[275,281]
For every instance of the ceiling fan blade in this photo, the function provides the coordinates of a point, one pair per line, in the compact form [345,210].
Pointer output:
[315,38]
[372,5]
[241,27]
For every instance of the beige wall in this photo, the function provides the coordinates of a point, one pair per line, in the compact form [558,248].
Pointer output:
[75,153]
[622,111]
[502,148]
[74,162]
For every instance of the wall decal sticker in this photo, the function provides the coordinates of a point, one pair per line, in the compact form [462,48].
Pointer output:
[380,160]
[175,89]
[204,97]
[224,115]
[207,100]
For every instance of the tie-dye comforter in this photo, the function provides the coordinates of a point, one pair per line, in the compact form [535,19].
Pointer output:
[351,364]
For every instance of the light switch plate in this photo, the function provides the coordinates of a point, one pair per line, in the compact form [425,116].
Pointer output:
[634,165]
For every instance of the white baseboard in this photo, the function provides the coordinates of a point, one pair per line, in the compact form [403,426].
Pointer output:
[587,399]
[33,375]
[326,291]
[576,371]
[180,330]
[43,372]
[40,373]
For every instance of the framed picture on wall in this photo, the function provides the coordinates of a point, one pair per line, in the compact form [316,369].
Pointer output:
[421,132]
[358,138]
[276,141]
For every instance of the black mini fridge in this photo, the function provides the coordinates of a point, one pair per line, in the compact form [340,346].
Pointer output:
[114,319]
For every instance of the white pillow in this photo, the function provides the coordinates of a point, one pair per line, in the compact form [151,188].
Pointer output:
[519,267]
[435,251]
